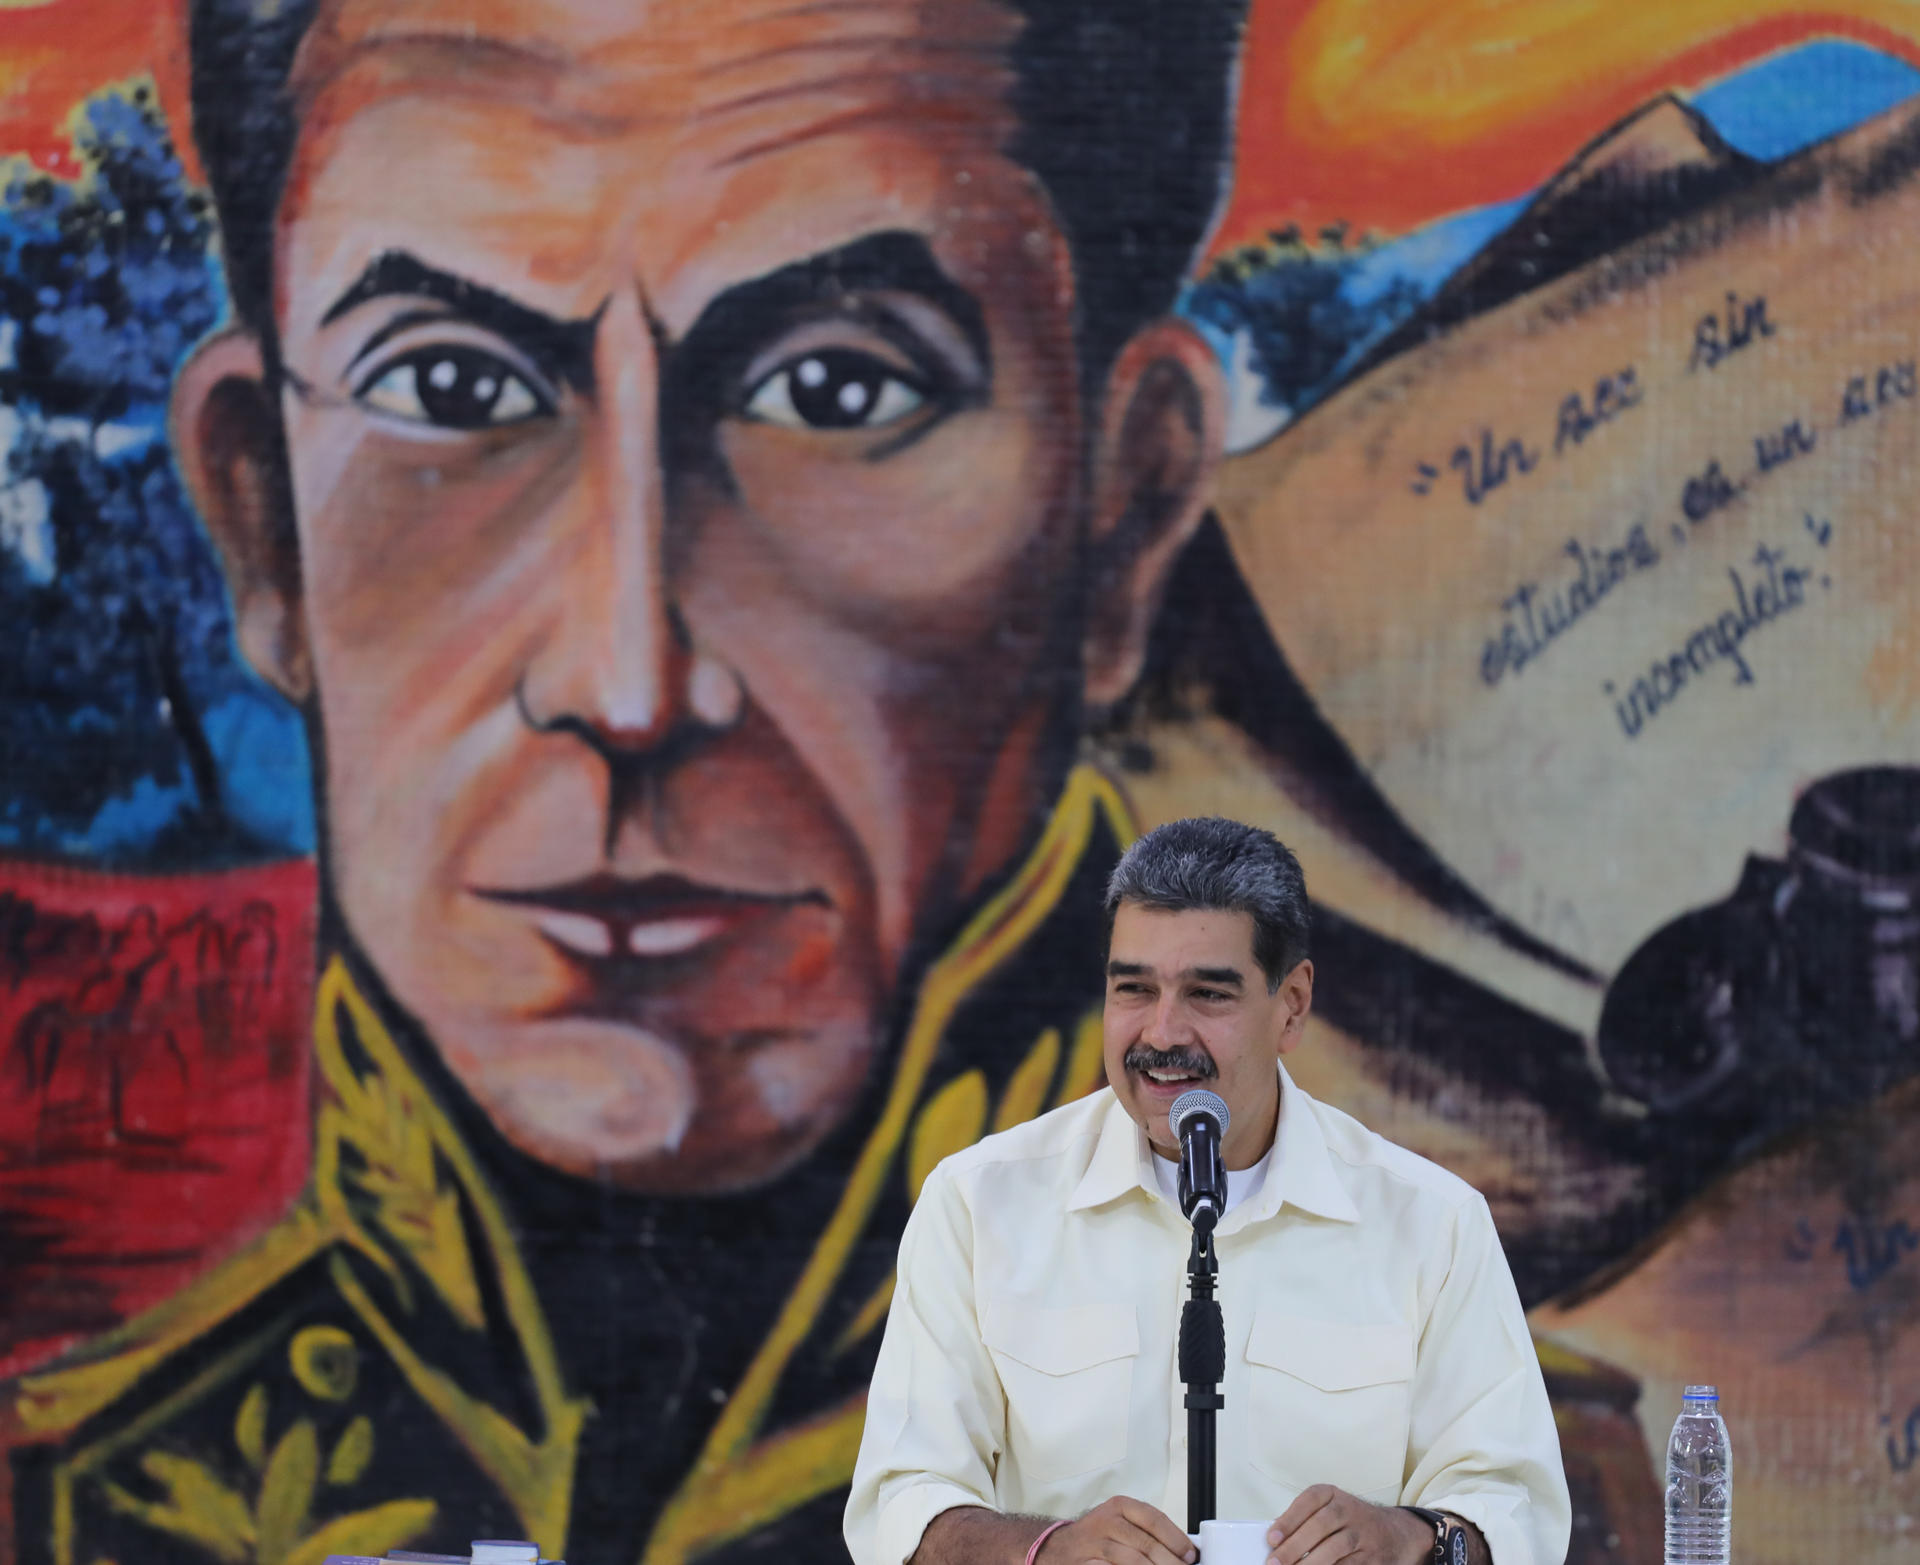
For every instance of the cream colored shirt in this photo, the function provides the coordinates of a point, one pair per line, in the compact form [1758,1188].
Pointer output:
[1374,1340]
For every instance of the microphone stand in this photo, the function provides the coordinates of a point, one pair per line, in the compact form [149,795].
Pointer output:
[1203,1365]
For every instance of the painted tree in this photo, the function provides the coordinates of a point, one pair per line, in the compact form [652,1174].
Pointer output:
[1309,308]
[120,635]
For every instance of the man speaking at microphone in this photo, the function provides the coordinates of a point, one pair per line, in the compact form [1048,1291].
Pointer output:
[1383,1404]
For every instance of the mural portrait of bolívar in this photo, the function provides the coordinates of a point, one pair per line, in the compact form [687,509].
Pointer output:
[696,473]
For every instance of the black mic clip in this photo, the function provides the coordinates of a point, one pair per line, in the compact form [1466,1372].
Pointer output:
[1199,1121]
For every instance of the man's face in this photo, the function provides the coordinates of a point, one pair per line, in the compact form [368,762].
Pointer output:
[684,449]
[1188,1006]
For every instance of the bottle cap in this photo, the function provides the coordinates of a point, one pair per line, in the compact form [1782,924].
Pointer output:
[1703,1394]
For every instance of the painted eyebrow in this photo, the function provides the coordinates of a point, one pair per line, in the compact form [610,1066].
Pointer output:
[565,347]
[746,316]
[728,331]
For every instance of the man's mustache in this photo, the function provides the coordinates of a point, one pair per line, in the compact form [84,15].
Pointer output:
[1188,1061]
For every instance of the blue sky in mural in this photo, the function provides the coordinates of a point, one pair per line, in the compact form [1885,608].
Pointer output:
[1788,102]
[1769,110]
[1331,310]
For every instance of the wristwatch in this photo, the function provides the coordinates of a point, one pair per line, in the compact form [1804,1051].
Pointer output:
[1449,1535]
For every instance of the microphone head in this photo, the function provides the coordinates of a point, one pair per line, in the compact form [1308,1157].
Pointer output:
[1199,1101]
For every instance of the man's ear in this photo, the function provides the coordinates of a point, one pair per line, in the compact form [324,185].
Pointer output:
[1296,999]
[1162,426]
[228,441]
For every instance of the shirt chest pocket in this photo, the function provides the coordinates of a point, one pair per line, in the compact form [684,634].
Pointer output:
[1329,1402]
[1068,1378]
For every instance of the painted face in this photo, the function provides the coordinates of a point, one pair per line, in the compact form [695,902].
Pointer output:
[1188,1006]
[681,419]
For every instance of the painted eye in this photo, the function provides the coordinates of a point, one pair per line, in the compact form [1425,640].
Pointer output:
[452,386]
[834,388]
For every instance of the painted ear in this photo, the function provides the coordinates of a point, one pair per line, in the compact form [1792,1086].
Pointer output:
[1163,424]
[228,440]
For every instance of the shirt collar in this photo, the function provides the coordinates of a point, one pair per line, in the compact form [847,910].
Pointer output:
[1301,1174]
[1119,1162]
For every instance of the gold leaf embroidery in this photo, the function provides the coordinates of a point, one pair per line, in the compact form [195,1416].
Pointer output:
[198,1507]
[286,1491]
[1027,1087]
[201,1509]
[388,1116]
[953,1118]
[375,1531]
[387,1121]
[1086,1064]
[352,1454]
[250,1427]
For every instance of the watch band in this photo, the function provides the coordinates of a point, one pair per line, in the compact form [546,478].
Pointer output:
[1449,1535]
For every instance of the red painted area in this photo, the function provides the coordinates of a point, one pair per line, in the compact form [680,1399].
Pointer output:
[56,53]
[154,1084]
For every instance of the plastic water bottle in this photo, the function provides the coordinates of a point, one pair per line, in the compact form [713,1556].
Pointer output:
[1699,1483]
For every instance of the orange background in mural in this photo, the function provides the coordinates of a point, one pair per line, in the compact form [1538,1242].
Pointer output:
[1378,113]
[1385,113]
[54,52]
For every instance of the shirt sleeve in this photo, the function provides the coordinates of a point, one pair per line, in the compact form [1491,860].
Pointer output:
[1483,1443]
[936,1414]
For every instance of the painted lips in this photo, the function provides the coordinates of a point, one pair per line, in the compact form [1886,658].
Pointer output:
[605,916]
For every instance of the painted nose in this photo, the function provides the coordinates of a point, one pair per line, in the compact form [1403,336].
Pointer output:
[619,667]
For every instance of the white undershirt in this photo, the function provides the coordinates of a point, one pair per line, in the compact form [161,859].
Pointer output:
[1241,1182]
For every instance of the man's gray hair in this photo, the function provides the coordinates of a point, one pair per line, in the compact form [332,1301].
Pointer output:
[1216,865]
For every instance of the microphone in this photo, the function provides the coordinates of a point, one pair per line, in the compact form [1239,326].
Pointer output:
[1199,1118]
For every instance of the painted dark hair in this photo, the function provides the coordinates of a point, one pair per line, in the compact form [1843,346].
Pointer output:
[1212,864]
[1125,109]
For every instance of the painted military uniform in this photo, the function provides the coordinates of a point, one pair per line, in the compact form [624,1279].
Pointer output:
[422,1353]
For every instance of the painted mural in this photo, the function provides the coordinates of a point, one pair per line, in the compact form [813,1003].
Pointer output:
[592,586]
